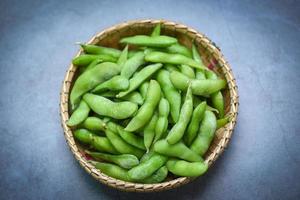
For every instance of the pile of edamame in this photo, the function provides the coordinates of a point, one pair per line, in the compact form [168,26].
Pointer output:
[148,110]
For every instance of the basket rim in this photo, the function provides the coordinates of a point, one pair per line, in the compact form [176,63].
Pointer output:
[139,187]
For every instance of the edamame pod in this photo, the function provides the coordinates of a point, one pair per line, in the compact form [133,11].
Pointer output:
[79,115]
[170,92]
[180,49]
[158,176]
[193,127]
[95,49]
[113,170]
[123,57]
[93,64]
[94,124]
[156,31]
[187,70]
[184,168]
[162,121]
[186,111]
[86,59]
[217,97]
[126,161]
[200,74]
[170,67]
[143,89]
[206,133]
[222,122]
[91,78]
[178,150]
[145,112]
[116,83]
[132,64]
[120,144]
[149,132]
[131,138]
[134,97]
[147,168]
[199,87]
[177,59]
[140,77]
[148,41]
[106,107]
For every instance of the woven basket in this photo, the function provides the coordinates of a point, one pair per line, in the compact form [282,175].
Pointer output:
[211,57]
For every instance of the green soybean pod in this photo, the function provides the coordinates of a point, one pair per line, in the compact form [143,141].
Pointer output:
[156,31]
[146,111]
[147,168]
[171,93]
[186,112]
[206,133]
[94,124]
[131,53]
[126,161]
[131,138]
[93,64]
[170,67]
[91,78]
[187,70]
[123,57]
[147,156]
[106,107]
[113,170]
[148,41]
[116,83]
[149,131]
[194,124]
[84,136]
[132,64]
[95,49]
[122,146]
[179,49]
[221,122]
[140,77]
[134,97]
[86,59]
[199,87]
[217,97]
[162,121]
[157,177]
[108,94]
[184,168]
[200,74]
[79,115]
[178,150]
[177,59]
[143,89]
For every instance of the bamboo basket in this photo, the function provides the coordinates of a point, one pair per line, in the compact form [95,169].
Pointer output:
[211,56]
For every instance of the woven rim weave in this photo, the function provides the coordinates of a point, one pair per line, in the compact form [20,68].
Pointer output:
[210,54]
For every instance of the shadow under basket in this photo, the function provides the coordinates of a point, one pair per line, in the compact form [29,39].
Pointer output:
[211,56]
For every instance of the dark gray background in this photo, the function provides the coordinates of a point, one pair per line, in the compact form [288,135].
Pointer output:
[260,39]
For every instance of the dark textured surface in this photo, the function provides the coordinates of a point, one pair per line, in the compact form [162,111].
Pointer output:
[261,40]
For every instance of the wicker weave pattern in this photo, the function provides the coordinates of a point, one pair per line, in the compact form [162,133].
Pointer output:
[210,53]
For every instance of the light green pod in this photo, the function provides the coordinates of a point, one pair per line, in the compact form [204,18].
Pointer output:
[85,59]
[79,115]
[116,83]
[147,168]
[170,67]
[95,49]
[145,112]
[149,131]
[206,133]
[113,170]
[121,146]
[106,107]
[199,87]
[149,41]
[131,138]
[90,79]
[194,124]
[140,77]
[93,64]
[157,177]
[184,168]
[123,57]
[156,31]
[176,59]
[221,122]
[147,156]
[179,49]
[126,161]
[171,93]
[132,64]
[200,74]
[187,70]
[131,53]
[162,121]
[177,131]
[94,124]
[178,150]
[143,89]
[134,97]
